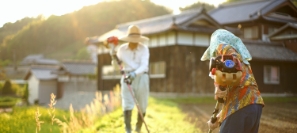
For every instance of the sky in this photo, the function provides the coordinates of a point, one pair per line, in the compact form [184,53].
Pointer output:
[13,10]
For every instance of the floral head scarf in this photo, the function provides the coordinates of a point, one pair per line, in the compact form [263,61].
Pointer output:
[222,36]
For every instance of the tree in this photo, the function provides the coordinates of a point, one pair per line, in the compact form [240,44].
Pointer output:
[58,34]
[2,74]
[229,1]
[83,54]
[7,89]
[198,5]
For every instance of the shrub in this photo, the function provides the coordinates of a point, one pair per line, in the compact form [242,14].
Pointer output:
[6,102]
[7,89]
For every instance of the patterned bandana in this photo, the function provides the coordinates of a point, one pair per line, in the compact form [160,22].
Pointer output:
[222,36]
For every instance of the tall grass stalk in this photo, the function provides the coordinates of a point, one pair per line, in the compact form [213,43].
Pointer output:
[51,110]
[86,117]
[38,122]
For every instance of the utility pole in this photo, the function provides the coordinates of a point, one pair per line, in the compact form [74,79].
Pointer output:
[14,60]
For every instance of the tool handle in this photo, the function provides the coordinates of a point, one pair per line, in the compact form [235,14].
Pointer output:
[221,100]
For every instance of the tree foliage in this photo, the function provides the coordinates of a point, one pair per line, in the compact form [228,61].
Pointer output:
[2,73]
[58,32]
[12,28]
[198,5]
[7,89]
[233,0]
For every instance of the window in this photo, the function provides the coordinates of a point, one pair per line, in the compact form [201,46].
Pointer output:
[158,69]
[111,72]
[271,30]
[250,32]
[271,75]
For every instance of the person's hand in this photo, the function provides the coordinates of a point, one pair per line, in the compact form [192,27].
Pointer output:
[213,126]
[219,93]
[130,77]
[216,124]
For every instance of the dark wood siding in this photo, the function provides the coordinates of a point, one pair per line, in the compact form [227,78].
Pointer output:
[105,59]
[184,70]
[186,73]
[288,76]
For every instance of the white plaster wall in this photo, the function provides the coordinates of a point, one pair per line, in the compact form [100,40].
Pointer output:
[185,38]
[33,84]
[201,40]
[153,42]
[171,38]
[162,39]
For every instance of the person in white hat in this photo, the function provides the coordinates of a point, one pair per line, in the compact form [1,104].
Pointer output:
[134,57]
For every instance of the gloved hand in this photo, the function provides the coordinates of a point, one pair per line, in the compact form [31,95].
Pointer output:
[130,77]
[214,125]
[219,93]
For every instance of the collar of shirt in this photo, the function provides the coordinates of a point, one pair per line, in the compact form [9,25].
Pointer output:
[127,47]
[134,60]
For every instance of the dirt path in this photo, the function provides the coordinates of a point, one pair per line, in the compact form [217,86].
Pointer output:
[276,118]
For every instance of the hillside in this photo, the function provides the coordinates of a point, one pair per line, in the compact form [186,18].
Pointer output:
[61,37]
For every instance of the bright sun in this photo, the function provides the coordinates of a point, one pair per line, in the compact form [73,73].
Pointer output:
[12,10]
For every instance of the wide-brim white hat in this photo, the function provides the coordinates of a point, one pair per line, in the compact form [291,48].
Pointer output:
[133,35]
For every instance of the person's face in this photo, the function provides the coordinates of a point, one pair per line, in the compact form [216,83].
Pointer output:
[133,45]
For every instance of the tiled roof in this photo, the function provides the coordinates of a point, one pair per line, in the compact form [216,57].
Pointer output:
[80,67]
[44,72]
[38,59]
[19,73]
[47,62]
[31,58]
[270,51]
[244,10]
[162,23]
[292,25]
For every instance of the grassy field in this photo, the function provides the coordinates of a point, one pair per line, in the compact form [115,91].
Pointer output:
[163,116]
[22,120]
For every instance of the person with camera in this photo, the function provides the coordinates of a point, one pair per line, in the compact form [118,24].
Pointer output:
[242,102]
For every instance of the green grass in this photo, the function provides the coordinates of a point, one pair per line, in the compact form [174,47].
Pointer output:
[193,100]
[279,99]
[210,100]
[22,120]
[163,116]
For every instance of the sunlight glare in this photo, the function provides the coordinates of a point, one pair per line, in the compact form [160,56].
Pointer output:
[12,10]
[18,9]
[176,4]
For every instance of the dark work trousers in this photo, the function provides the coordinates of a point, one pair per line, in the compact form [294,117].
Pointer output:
[245,120]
